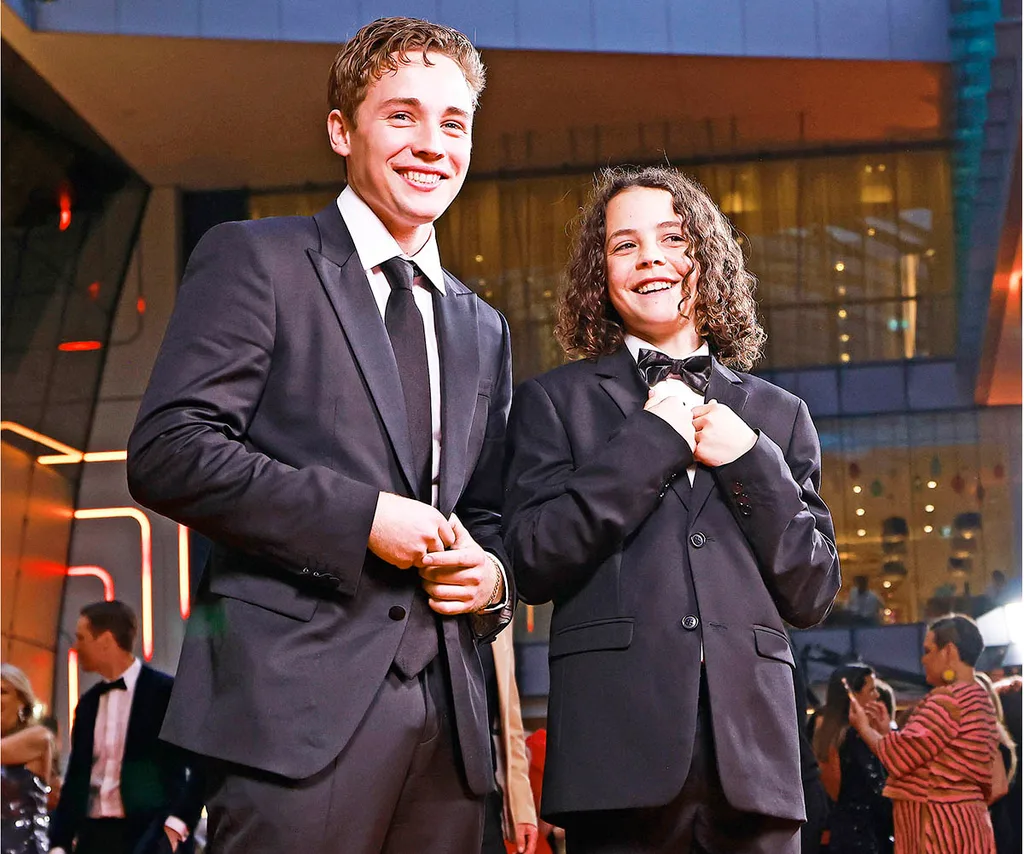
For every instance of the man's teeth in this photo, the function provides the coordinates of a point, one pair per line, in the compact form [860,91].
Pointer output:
[425,178]
[652,287]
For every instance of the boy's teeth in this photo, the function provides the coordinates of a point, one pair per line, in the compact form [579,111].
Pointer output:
[423,177]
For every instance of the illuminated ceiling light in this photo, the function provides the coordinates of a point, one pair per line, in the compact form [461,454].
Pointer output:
[841,290]
[929,253]
[857,489]
[844,357]
[861,511]
[79,346]
[886,584]
[869,168]
[861,532]
[871,232]
[844,337]
[840,266]
[932,484]
[929,508]
[479,259]
[841,313]
[881,167]
[928,529]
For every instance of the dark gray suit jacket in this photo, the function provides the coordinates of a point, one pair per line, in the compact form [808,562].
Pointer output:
[644,571]
[273,418]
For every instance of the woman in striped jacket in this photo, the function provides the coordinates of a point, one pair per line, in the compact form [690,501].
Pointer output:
[940,763]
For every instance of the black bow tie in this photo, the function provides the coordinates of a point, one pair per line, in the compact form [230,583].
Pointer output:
[116,685]
[695,371]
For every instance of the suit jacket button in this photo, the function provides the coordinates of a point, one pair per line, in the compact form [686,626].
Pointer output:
[690,622]
[396,612]
[697,540]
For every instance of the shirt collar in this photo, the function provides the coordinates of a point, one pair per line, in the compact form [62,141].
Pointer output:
[635,344]
[131,675]
[375,245]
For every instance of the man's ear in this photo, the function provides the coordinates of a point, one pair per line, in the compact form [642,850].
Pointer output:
[338,132]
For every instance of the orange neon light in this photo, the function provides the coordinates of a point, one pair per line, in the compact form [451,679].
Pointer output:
[79,457]
[72,684]
[96,572]
[146,534]
[529,618]
[184,558]
[79,346]
[35,436]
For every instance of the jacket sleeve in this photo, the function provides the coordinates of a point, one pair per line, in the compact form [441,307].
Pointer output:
[774,499]
[70,810]
[188,458]
[479,506]
[563,516]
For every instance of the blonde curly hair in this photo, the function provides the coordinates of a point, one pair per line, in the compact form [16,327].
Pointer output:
[725,312]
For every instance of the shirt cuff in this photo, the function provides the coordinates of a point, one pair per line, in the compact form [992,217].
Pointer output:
[178,826]
[501,605]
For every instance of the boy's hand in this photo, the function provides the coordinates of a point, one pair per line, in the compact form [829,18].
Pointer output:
[720,435]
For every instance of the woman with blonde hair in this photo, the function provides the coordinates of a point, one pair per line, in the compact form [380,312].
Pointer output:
[26,750]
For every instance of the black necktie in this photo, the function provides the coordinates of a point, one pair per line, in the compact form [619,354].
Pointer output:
[419,643]
[405,329]
[695,371]
[116,685]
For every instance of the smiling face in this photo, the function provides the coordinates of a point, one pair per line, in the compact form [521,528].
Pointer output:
[649,269]
[409,150]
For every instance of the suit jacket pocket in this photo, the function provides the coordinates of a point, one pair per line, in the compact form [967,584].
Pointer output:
[615,633]
[229,579]
[772,643]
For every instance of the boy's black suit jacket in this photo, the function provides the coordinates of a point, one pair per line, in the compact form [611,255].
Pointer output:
[647,575]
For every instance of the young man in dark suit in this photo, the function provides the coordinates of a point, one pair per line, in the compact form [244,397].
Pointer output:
[329,408]
[669,507]
[125,790]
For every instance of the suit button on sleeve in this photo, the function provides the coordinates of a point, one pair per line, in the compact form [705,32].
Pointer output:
[697,540]
[396,612]
[690,622]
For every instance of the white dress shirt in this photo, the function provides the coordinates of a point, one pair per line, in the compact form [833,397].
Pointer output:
[108,746]
[672,387]
[375,245]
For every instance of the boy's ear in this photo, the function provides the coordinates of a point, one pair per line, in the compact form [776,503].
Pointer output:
[339,133]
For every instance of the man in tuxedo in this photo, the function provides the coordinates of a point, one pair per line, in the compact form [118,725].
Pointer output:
[125,790]
[328,407]
[669,506]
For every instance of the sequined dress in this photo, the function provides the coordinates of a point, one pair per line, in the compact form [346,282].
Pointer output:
[24,822]
[861,819]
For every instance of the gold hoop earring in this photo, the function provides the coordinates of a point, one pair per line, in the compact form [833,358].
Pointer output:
[948,675]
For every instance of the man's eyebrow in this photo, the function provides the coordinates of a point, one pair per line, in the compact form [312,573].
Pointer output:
[415,102]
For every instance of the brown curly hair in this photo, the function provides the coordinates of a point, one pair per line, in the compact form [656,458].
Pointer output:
[726,314]
[382,46]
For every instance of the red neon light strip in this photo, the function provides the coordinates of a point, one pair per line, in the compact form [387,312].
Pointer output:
[146,535]
[72,685]
[184,559]
[96,572]
[79,346]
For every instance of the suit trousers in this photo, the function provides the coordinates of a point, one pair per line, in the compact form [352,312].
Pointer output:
[699,820]
[397,788]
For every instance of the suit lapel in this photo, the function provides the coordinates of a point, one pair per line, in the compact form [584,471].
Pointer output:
[622,381]
[343,278]
[455,320]
[725,387]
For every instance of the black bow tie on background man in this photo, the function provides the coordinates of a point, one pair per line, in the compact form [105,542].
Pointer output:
[654,367]
[116,685]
